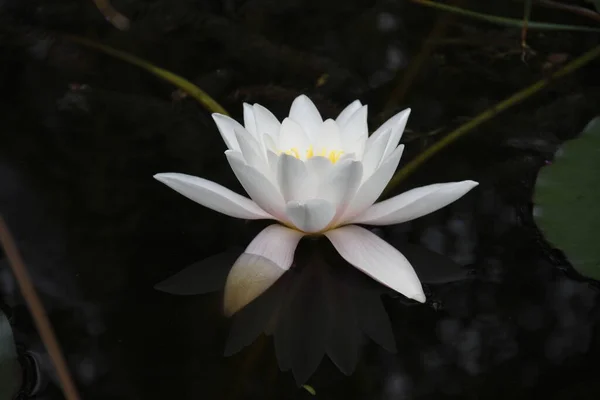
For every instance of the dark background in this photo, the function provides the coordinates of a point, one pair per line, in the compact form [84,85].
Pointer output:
[97,232]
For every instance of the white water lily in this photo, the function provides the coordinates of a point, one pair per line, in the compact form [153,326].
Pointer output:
[315,177]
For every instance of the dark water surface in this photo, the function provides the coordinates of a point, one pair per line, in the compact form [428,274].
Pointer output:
[98,232]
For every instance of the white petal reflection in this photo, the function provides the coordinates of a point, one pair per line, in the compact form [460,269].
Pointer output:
[265,259]
[319,307]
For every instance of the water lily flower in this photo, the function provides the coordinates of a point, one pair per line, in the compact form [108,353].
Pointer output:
[315,177]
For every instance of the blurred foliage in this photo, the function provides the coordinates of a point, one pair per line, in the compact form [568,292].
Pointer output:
[9,363]
[568,193]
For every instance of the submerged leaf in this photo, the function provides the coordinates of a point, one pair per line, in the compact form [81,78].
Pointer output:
[10,370]
[310,389]
[567,194]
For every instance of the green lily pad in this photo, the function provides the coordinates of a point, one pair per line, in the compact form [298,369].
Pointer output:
[567,195]
[10,370]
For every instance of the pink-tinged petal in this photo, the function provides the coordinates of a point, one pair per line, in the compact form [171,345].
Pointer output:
[293,179]
[378,259]
[347,113]
[397,124]
[304,112]
[415,203]
[375,148]
[214,196]
[356,132]
[227,127]
[266,122]
[370,190]
[292,136]
[268,256]
[258,186]
[311,216]
[249,120]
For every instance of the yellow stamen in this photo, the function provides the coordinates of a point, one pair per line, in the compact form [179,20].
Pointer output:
[333,155]
[310,153]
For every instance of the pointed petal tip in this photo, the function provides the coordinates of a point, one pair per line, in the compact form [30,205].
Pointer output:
[163,176]
[420,297]
[467,185]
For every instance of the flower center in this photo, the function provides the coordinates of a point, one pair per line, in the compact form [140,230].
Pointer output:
[332,155]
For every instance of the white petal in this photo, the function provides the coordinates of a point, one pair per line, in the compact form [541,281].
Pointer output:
[347,113]
[269,143]
[227,127]
[378,259]
[249,120]
[328,137]
[213,196]
[253,154]
[372,188]
[293,179]
[397,124]
[258,186]
[304,112]
[348,156]
[273,160]
[356,132]
[311,216]
[268,256]
[415,203]
[266,122]
[318,167]
[292,136]
[340,185]
[374,152]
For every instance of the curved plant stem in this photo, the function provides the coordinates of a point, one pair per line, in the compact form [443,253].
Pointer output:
[526,16]
[505,21]
[201,96]
[37,311]
[407,78]
[489,114]
[585,12]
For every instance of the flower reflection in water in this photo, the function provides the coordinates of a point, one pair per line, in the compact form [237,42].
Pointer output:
[319,307]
